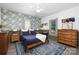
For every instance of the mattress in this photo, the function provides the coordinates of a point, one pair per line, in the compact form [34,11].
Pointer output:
[29,39]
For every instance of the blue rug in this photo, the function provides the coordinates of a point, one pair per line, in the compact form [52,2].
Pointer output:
[45,49]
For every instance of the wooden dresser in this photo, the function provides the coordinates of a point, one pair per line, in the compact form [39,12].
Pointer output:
[3,43]
[68,37]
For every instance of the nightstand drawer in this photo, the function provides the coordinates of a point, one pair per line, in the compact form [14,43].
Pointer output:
[15,37]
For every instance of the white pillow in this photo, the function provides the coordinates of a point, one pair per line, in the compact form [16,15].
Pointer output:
[14,29]
[31,29]
[24,30]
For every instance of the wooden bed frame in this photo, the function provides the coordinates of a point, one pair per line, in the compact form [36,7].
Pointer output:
[35,44]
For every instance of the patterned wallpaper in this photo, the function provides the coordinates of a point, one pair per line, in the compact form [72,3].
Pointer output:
[35,23]
[0,16]
[14,20]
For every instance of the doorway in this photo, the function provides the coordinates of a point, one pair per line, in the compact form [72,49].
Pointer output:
[53,27]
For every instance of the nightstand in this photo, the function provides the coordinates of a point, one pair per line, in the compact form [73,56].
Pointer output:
[15,37]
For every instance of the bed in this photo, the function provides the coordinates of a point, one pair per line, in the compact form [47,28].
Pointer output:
[32,39]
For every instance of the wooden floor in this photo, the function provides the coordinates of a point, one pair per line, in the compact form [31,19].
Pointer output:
[11,49]
[68,51]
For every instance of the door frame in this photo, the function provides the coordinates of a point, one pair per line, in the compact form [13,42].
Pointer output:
[56,27]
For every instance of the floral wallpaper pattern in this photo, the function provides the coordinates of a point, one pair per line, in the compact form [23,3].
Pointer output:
[14,20]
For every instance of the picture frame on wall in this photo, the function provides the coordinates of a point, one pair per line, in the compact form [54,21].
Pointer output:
[68,23]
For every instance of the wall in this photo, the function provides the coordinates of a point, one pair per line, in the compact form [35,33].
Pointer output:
[35,23]
[0,15]
[14,20]
[73,12]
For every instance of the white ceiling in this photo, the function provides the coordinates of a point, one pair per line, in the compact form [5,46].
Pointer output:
[38,9]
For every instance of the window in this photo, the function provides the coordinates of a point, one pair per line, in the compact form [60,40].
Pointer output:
[27,24]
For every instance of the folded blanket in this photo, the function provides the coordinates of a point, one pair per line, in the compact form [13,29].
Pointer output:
[41,37]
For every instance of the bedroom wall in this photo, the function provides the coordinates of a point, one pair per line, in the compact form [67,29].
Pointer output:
[73,12]
[0,15]
[14,20]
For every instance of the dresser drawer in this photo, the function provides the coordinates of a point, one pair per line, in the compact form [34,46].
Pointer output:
[1,37]
[68,42]
[65,36]
[1,48]
[74,41]
[68,32]
[1,45]
[15,36]
[74,33]
[66,39]
[69,38]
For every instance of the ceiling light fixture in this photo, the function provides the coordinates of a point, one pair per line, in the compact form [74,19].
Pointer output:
[36,7]
[38,10]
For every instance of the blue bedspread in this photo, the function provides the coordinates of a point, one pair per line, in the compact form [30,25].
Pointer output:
[29,36]
[29,39]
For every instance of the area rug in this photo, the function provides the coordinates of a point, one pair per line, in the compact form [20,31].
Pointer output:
[44,49]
